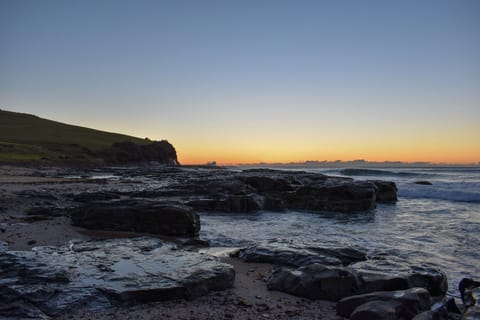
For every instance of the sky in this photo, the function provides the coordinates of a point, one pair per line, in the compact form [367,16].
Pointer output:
[254,80]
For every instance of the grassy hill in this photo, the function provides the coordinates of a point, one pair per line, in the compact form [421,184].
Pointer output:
[25,137]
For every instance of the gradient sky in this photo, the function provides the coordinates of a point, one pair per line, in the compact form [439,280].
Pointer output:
[251,81]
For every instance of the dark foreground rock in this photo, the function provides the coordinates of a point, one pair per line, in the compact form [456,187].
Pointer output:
[470,293]
[165,218]
[315,281]
[49,281]
[385,304]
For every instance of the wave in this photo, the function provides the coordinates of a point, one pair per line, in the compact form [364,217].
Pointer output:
[463,191]
[376,172]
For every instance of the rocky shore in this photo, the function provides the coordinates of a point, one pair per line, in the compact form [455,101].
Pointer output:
[121,243]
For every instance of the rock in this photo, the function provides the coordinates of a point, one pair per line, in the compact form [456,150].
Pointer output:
[411,302]
[333,195]
[386,191]
[423,182]
[254,190]
[95,196]
[45,211]
[435,281]
[315,281]
[372,282]
[472,313]
[297,254]
[381,310]
[166,218]
[470,293]
[390,268]
[52,281]
[268,184]
[437,315]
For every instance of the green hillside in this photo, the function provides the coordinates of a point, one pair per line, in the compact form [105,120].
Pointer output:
[27,137]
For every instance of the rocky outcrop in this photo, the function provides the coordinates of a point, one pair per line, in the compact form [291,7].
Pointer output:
[165,218]
[130,152]
[50,281]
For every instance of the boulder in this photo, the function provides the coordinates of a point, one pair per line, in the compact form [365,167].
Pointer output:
[386,191]
[51,281]
[411,301]
[435,281]
[382,310]
[315,281]
[166,218]
[388,270]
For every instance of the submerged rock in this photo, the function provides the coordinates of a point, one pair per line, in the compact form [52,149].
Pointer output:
[166,218]
[423,182]
[49,281]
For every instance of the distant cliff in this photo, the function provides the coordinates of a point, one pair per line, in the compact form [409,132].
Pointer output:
[28,138]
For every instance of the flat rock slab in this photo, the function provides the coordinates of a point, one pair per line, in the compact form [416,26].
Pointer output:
[300,254]
[49,281]
[165,218]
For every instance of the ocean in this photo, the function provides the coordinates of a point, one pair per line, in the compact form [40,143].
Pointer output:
[436,225]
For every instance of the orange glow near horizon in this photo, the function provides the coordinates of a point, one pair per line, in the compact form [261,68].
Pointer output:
[456,153]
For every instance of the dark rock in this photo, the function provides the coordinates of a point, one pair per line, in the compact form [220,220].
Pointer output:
[432,315]
[386,191]
[467,287]
[297,254]
[94,274]
[315,281]
[423,182]
[372,282]
[233,203]
[45,211]
[333,195]
[435,281]
[243,203]
[129,152]
[95,196]
[411,302]
[382,310]
[165,218]
[470,293]
[472,313]
[268,184]
[31,242]
[423,276]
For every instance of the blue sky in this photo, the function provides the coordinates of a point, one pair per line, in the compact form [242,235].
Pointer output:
[248,80]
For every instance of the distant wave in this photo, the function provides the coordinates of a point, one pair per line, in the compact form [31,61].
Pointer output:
[461,191]
[375,172]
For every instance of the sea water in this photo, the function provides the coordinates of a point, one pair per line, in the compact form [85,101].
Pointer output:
[438,224]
